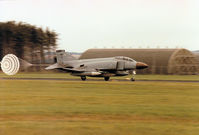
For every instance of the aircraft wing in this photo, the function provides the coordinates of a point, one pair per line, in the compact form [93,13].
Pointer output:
[72,70]
[57,66]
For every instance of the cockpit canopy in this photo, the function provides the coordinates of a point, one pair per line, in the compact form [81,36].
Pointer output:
[124,58]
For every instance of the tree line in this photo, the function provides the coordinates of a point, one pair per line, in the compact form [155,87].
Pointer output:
[26,41]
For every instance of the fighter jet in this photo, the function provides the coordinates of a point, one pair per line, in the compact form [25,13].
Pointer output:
[98,67]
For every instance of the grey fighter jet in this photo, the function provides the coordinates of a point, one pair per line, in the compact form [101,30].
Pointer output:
[98,67]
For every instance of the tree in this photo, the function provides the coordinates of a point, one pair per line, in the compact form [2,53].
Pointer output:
[26,40]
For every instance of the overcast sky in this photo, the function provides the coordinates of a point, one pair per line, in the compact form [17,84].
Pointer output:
[84,24]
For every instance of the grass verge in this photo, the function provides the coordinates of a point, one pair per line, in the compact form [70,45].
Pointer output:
[82,108]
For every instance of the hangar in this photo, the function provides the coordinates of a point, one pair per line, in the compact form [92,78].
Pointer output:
[197,55]
[160,61]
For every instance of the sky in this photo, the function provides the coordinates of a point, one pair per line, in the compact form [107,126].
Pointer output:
[85,24]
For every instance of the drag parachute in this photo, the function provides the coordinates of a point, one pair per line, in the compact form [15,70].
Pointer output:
[11,64]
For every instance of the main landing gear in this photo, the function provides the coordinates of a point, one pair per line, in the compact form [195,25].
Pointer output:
[106,78]
[83,78]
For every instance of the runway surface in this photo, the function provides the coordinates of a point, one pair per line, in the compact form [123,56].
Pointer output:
[78,79]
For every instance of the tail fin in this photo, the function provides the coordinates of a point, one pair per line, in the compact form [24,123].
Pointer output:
[63,56]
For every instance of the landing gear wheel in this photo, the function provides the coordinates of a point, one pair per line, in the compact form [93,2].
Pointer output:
[106,78]
[133,77]
[83,78]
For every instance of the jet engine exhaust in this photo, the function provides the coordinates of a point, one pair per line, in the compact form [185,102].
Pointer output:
[11,64]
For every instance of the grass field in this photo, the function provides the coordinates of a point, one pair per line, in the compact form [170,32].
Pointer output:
[31,107]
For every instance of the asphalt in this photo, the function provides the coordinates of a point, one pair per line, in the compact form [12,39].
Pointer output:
[78,79]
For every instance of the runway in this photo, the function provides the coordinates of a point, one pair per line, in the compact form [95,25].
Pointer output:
[101,79]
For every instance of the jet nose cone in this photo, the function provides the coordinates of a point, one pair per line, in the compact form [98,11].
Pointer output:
[141,65]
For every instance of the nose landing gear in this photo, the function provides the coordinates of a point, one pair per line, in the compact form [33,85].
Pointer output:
[133,75]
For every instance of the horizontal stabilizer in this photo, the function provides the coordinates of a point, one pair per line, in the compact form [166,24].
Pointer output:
[54,66]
